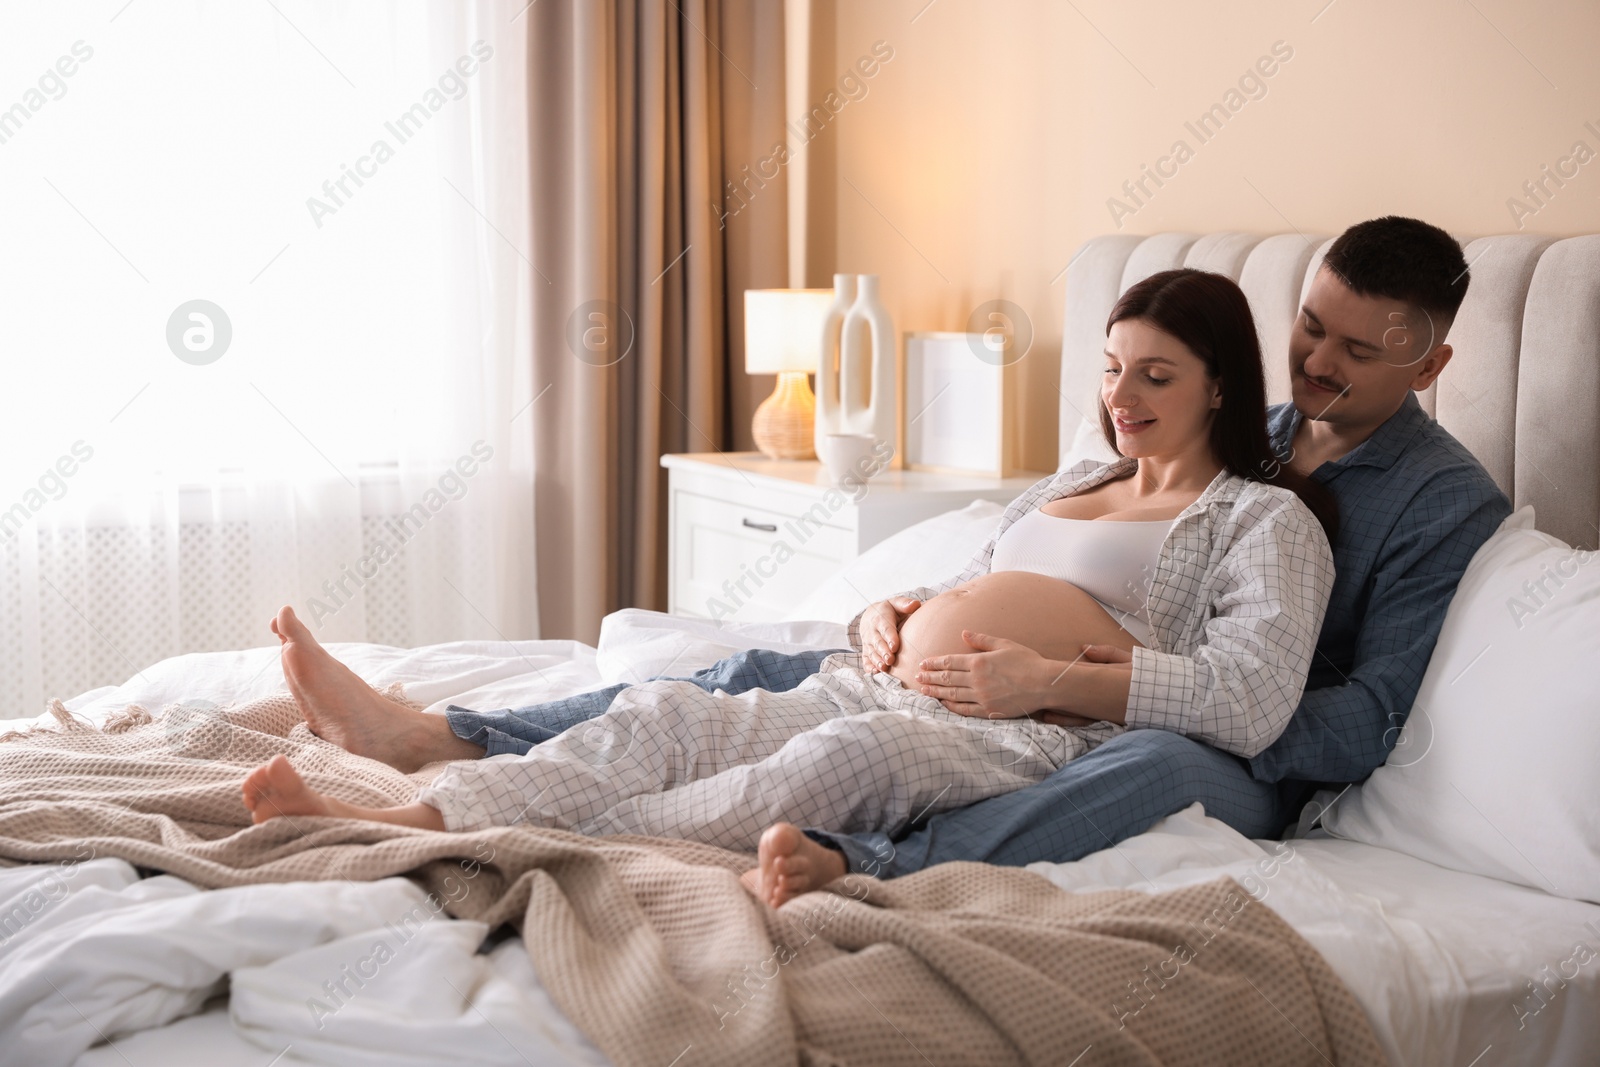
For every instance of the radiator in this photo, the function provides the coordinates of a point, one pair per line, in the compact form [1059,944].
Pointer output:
[107,601]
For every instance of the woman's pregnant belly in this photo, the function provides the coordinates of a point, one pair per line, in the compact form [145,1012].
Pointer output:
[1053,617]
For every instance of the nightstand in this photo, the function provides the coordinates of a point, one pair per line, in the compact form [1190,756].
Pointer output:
[756,535]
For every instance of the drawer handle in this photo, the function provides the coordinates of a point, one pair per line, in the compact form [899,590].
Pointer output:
[769,527]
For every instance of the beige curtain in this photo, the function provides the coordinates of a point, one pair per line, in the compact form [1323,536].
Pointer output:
[640,111]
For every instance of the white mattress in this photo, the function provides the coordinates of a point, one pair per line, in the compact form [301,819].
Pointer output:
[1441,961]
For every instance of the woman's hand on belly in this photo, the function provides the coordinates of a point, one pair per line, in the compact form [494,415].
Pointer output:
[880,630]
[1004,644]
[998,680]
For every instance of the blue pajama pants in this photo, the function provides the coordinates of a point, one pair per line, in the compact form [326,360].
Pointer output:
[517,731]
[1119,789]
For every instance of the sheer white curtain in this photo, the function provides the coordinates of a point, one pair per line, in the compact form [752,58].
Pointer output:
[344,188]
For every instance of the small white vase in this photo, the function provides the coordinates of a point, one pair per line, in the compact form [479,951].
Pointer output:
[828,412]
[867,359]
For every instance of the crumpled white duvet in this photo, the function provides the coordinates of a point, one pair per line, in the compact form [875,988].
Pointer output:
[91,953]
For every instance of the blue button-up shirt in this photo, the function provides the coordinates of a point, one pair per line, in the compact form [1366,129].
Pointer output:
[1414,505]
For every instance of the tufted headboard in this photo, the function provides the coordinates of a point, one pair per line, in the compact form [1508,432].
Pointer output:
[1522,391]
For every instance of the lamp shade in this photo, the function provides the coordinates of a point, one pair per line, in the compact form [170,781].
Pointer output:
[783,329]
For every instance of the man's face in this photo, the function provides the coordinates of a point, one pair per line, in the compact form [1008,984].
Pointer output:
[1353,358]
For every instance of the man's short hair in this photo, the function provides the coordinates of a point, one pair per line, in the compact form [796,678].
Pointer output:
[1403,259]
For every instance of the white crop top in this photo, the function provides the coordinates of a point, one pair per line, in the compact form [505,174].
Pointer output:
[1113,561]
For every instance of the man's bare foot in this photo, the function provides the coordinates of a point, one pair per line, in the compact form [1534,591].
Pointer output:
[791,864]
[341,708]
[276,788]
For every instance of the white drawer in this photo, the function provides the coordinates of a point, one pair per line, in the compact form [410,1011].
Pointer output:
[744,562]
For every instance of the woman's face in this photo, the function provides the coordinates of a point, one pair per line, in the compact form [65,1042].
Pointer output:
[1159,396]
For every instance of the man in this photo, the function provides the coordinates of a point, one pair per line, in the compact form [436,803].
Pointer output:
[1414,507]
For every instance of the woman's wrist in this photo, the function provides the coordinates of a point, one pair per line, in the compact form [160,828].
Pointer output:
[1052,686]
[1089,690]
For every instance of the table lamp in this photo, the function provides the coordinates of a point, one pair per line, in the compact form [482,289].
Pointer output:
[783,336]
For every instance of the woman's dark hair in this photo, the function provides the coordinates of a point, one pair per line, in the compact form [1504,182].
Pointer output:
[1211,316]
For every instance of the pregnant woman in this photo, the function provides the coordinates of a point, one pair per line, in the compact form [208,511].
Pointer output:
[1197,555]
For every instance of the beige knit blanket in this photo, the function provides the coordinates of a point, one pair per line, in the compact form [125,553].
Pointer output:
[654,950]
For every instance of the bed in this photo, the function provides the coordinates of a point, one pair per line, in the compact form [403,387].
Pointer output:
[1450,965]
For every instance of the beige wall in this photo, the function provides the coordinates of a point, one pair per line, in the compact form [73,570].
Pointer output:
[985,151]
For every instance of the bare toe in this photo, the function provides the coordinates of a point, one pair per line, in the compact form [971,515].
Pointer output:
[276,788]
[289,627]
[339,706]
[793,864]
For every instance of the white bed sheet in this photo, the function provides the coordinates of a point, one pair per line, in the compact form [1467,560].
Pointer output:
[1443,962]
[1440,960]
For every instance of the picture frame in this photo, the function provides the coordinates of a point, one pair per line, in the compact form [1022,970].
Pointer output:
[959,404]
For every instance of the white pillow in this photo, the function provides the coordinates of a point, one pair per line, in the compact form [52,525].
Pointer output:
[1088,442]
[930,551]
[1494,773]
[636,643]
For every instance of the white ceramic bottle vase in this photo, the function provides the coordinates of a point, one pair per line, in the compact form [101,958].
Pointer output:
[867,357]
[829,412]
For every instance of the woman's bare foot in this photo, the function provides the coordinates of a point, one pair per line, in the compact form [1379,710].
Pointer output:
[341,708]
[275,788]
[791,864]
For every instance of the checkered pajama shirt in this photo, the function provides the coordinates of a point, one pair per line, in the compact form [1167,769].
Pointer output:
[1235,606]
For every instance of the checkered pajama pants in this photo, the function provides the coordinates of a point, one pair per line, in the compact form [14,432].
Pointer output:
[847,750]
